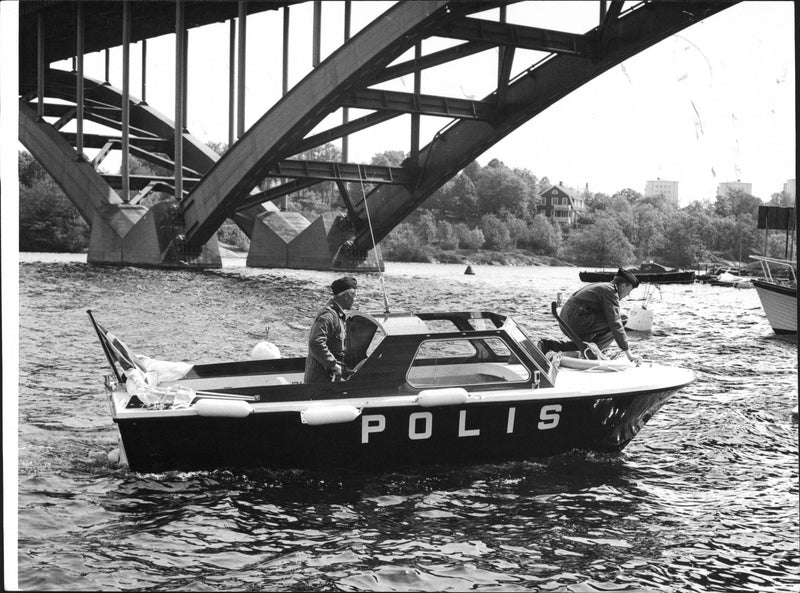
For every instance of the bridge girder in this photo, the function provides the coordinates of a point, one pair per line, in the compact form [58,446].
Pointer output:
[217,188]
[620,36]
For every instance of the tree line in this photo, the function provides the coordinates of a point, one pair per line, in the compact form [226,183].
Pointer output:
[489,209]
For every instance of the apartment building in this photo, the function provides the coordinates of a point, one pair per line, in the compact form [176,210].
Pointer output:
[661,187]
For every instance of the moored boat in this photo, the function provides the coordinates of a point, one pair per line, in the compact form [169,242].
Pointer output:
[778,293]
[425,388]
[649,272]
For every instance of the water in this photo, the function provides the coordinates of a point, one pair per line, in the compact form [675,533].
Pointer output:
[704,499]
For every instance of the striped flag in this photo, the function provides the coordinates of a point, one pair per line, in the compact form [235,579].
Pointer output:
[116,350]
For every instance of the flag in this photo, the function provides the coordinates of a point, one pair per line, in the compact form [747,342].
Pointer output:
[115,349]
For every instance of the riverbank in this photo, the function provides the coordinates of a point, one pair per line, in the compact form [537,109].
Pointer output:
[514,257]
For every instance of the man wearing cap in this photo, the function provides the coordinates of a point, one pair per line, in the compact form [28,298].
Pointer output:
[324,362]
[593,313]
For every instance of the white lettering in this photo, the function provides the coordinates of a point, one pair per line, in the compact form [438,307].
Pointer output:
[427,419]
[510,426]
[373,423]
[462,426]
[549,416]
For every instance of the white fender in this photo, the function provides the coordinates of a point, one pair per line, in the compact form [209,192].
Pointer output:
[318,415]
[449,396]
[222,408]
[265,351]
[585,364]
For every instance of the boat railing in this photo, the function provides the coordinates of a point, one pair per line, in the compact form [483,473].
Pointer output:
[765,261]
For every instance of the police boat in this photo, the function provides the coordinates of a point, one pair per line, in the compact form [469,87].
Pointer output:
[423,388]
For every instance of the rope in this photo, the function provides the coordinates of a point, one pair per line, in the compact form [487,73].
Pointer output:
[372,235]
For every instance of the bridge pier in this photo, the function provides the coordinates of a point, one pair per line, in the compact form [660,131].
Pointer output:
[133,235]
[289,240]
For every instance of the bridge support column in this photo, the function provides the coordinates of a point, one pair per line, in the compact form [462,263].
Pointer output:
[288,240]
[132,235]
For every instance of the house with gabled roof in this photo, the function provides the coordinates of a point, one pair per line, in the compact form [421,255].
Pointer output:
[561,204]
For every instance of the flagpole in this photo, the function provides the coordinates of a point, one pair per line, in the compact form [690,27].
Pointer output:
[104,345]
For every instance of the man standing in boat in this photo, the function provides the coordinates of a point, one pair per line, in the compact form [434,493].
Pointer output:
[325,360]
[593,314]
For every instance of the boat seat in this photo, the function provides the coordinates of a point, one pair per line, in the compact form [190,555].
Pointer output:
[467,374]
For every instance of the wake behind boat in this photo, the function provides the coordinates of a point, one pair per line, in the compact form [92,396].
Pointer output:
[649,272]
[425,388]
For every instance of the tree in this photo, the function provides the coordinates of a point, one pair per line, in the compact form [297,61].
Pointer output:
[601,244]
[47,219]
[496,233]
[403,244]
[647,231]
[499,189]
[389,158]
[469,238]
[517,228]
[782,199]
[473,171]
[448,238]
[426,228]
[544,236]
[682,245]
[737,203]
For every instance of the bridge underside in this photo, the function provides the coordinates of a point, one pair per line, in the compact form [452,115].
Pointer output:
[205,189]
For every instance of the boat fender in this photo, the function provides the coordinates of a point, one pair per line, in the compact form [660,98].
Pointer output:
[450,396]
[585,364]
[319,415]
[219,408]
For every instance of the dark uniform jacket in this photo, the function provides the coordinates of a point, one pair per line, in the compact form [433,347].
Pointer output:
[595,308]
[325,344]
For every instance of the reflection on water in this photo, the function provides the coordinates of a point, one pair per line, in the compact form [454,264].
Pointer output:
[704,499]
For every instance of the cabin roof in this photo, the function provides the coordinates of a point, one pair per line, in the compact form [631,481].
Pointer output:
[406,323]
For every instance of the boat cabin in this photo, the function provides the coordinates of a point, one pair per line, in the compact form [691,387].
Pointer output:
[397,354]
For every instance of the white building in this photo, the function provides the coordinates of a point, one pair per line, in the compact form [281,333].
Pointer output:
[790,188]
[725,187]
[661,187]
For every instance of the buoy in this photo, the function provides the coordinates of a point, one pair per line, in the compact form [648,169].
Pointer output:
[318,415]
[450,396]
[265,350]
[469,271]
[639,319]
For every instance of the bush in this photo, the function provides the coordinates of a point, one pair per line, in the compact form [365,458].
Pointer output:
[469,238]
[496,233]
[403,244]
[47,219]
[232,235]
[448,238]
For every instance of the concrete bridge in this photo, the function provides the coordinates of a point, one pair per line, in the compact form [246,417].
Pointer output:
[209,189]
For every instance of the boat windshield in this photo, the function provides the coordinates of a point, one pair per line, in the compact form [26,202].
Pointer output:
[520,337]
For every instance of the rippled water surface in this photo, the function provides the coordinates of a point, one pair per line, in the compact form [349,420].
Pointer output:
[704,499]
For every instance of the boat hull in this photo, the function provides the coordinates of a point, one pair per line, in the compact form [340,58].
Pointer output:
[780,305]
[683,277]
[391,437]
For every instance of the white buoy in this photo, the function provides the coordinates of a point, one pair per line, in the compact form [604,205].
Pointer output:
[639,319]
[265,350]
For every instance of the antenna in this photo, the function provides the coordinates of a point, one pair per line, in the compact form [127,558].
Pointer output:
[372,234]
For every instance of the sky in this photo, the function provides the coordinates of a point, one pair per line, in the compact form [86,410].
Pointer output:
[711,104]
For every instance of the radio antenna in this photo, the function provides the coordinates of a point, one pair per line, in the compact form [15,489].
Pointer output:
[372,235]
